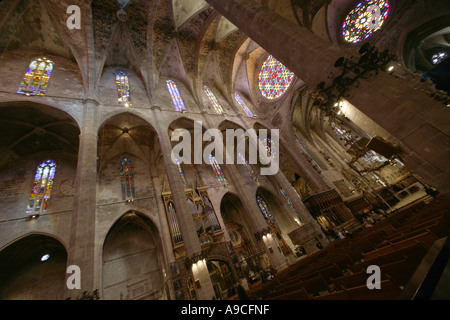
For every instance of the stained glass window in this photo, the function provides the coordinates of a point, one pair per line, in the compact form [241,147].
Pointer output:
[439,57]
[265,209]
[180,170]
[212,98]
[42,187]
[270,147]
[217,170]
[344,135]
[288,200]
[176,97]
[127,179]
[274,78]
[250,170]
[243,105]
[365,18]
[36,78]
[123,89]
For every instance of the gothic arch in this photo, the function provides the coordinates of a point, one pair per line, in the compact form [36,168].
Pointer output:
[133,259]
[33,265]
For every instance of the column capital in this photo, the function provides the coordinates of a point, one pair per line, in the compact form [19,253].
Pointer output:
[93,101]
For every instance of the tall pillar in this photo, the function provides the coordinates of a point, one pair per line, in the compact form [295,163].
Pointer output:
[289,139]
[82,230]
[257,222]
[309,233]
[191,242]
[166,239]
[416,122]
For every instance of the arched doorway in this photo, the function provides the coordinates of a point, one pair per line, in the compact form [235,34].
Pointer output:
[33,268]
[251,259]
[132,260]
[221,278]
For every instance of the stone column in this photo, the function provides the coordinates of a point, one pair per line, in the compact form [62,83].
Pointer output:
[81,251]
[256,220]
[418,124]
[190,239]
[288,138]
[309,232]
[164,231]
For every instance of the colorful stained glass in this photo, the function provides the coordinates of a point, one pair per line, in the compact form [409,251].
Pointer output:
[265,209]
[123,89]
[36,78]
[364,19]
[274,78]
[288,200]
[217,170]
[270,147]
[243,105]
[439,57]
[180,170]
[42,187]
[176,97]
[344,135]
[127,179]
[212,98]
[250,170]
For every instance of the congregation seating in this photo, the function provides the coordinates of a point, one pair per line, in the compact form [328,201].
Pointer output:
[397,244]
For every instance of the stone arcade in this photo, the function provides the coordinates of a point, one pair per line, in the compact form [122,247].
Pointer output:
[89,117]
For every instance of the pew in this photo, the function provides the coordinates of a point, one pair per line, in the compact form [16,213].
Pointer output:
[300,294]
[389,291]
[426,239]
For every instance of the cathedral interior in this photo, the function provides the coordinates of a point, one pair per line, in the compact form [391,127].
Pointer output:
[353,96]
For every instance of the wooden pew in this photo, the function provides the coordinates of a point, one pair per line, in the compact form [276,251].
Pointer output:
[389,291]
[400,271]
[300,294]
[338,295]
[315,286]
[426,239]
[351,280]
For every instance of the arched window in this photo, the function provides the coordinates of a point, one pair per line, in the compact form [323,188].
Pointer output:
[176,97]
[36,78]
[274,78]
[249,168]
[42,187]
[270,147]
[364,19]
[212,98]
[344,135]
[180,170]
[127,179]
[243,105]
[290,203]
[123,89]
[439,57]
[265,209]
[217,170]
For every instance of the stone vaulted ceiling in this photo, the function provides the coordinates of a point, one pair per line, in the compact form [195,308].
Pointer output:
[139,35]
